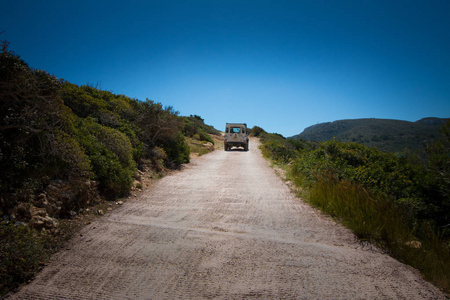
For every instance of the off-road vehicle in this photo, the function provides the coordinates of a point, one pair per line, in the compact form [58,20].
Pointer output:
[236,136]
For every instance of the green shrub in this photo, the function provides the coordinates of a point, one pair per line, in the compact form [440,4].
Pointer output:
[22,253]
[131,131]
[110,153]
[277,147]
[158,158]
[81,103]
[256,131]
[36,128]
[381,173]
[157,124]
[195,127]
[177,151]
[203,136]
[437,180]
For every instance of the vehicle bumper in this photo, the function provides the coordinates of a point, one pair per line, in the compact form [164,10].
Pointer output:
[236,144]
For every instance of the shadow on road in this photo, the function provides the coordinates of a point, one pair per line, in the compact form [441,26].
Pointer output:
[236,150]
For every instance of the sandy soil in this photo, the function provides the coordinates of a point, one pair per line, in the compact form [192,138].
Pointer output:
[225,227]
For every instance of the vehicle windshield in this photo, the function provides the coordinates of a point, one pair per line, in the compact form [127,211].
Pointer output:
[235,130]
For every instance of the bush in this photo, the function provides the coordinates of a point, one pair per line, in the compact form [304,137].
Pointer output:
[256,131]
[22,253]
[157,124]
[177,151]
[36,128]
[405,178]
[158,159]
[437,180]
[196,128]
[110,153]
[277,147]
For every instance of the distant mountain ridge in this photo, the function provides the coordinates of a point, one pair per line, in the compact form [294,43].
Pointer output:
[385,134]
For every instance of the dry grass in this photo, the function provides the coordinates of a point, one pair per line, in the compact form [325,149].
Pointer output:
[377,220]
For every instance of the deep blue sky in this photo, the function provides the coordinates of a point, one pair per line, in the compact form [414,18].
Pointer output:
[282,65]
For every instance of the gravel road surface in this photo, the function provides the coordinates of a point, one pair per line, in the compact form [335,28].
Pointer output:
[226,227]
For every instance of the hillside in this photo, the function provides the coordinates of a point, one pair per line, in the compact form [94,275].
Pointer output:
[385,134]
[67,144]
[65,148]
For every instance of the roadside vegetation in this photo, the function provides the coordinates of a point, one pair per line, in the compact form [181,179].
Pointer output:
[399,202]
[64,148]
[200,137]
[384,134]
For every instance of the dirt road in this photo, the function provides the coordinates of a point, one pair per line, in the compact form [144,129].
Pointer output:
[226,227]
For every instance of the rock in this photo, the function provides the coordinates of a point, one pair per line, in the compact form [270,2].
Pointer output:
[37,211]
[41,220]
[40,200]
[91,184]
[139,175]
[208,146]
[52,189]
[119,202]
[136,185]
[50,223]
[414,244]
[60,192]
[100,212]
[18,223]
